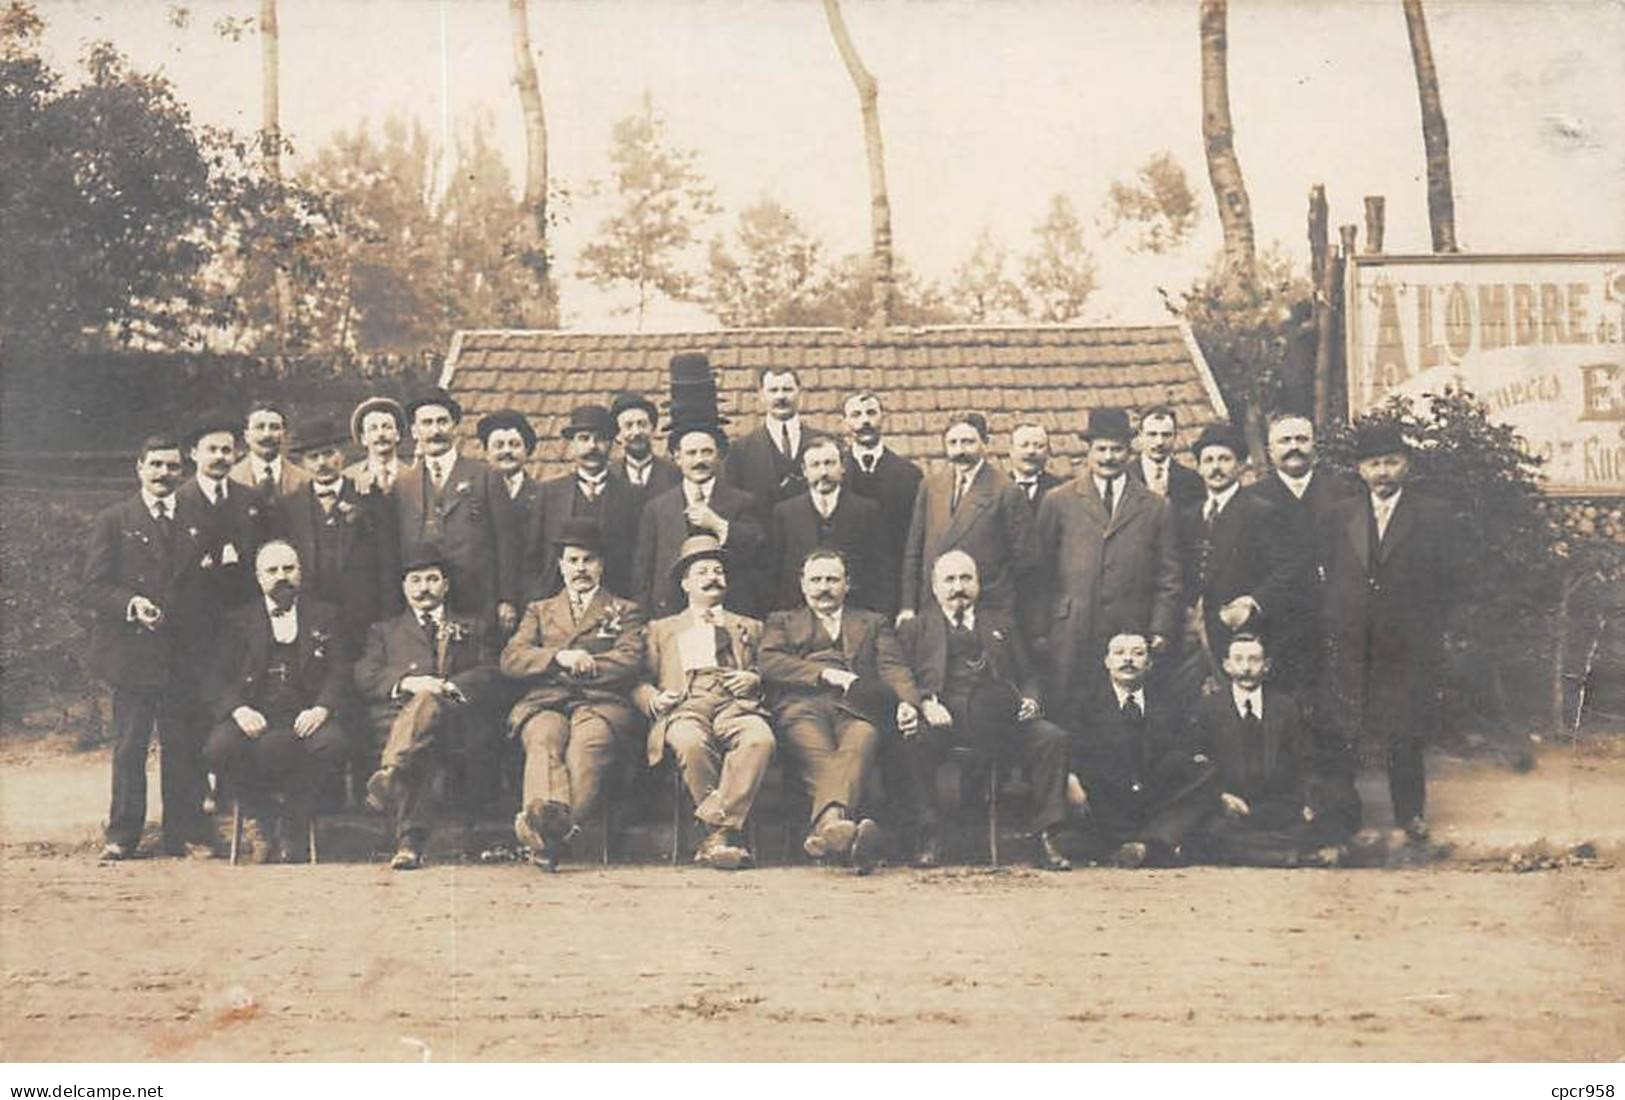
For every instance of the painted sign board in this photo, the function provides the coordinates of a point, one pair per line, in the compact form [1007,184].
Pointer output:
[1540,339]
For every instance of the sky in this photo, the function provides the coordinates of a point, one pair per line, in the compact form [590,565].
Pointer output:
[987,109]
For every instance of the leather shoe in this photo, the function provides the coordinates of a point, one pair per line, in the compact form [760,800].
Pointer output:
[928,852]
[294,846]
[255,843]
[1131,855]
[528,830]
[1416,829]
[406,859]
[1048,857]
[722,850]
[832,839]
[381,789]
[864,852]
[113,852]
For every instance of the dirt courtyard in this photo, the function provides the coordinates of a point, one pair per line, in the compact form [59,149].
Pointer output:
[161,959]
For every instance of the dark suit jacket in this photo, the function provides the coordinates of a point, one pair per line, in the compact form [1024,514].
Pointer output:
[617,512]
[1269,776]
[893,485]
[1100,576]
[661,532]
[799,529]
[1384,610]
[993,524]
[358,588]
[128,556]
[755,465]
[869,648]
[207,586]
[474,535]
[1131,773]
[524,559]
[1184,483]
[924,639]
[665,475]
[1253,550]
[611,630]
[294,477]
[1046,482]
[399,647]
[239,673]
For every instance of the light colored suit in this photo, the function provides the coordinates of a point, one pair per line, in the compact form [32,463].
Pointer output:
[292,476]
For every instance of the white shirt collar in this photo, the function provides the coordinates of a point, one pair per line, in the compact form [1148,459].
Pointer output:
[1223,498]
[153,502]
[1297,486]
[1138,695]
[385,465]
[832,499]
[1239,695]
[1149,465]
[582,599]
[262,465]
[789,430]
[868,456]
[831,623]
[515,482]
[1379,505]
[970,617]
[698,490]
[1117,486]
[597,479]
[715,616]
[335,487]
[436,616]
[284,628]
[968,476]
[213,491]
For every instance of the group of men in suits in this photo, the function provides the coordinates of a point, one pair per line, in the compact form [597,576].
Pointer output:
[1170,657]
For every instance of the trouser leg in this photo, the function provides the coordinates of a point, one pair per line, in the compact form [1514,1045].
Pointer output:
[135,710]
[746,742]
[181,730]
[699,759]
[809,738]
[305,765]
[547,779]
[230,754]
[589,755]
[1040,746]
[412,731]
[1407,786]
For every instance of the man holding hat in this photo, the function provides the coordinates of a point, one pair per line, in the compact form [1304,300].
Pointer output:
[704,701]
[576,657]
[1242,557]
[509,440]
[448,498]
[333,531]
[969,506]
[587,492]
[645,472]
[378,423]
[1391,581]
[1108,553]
[428,677]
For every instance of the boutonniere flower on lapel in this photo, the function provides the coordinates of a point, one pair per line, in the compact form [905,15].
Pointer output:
[192,531]
[453,631]
[138,535]
[346,511]
[207,562]
[462,486]
[610,625]
[318,647]
[253,510]
[998,635]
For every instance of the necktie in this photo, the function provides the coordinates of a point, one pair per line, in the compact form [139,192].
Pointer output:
[1210,510]
[959,620]
[868,464]
[437,473]
[1159,480]
[327,499]
[1030,488]
[164,518]
[1131,711]
[1248,715]
[781,440]
[1109,497]
[427,620]
[267,481]
[961,487]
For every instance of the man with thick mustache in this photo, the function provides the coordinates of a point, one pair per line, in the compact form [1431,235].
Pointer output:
[971,507]
[701,505]
[575,657]
[704,701]
[265,467]
[448,499]
[377,424]
[827,516]
[1029,462]
[277,681]
[587,492]
[767,462]
[645,473]
[887,478]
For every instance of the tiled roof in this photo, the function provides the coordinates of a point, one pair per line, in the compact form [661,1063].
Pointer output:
[1053,374]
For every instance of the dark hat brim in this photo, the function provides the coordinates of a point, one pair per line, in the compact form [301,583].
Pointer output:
[438,397]
[510,420]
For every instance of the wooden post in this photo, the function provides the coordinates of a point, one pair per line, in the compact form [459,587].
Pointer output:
[1320,272]
[1374,218]
[1337,360]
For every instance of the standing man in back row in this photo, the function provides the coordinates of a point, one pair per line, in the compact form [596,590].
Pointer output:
[887,478]
[767,462]
[265,467]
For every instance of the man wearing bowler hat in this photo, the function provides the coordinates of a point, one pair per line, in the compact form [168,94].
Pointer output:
[703,698]
[1392,578]
[333,530]
[645,472]
[509,441]
[428,676]
[586,492]
[1108,554]
[449,499]
[575,658]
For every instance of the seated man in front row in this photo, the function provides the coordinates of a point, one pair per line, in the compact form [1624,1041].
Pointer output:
[428,677]
[1273,812]
[979,688]
[277,680]
[1143,787]
[576,656]
[706,702]
[840,680]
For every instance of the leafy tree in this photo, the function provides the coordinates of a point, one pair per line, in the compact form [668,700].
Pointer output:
[982,291]
[663,198]
[846,297]
[1058,275]
[1159,204]
[775,276]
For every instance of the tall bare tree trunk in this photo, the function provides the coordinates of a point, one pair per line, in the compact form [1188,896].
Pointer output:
[271,147]
[880,204]
[1435,137]
[533,207]
[1218,136]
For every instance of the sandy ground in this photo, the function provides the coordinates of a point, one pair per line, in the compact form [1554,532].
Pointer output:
[174,960]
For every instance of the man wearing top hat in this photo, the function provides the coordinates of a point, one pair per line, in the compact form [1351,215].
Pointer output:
[767,462]
[1392,577]
[969,506]
[429,677]
[701,505]
[265,467]
[277,683]
[586,492]
[703,697]
[378,425]
[1108,553]
[334,532]
[449,499]
[575,657]
[645,473]
[1242,558]
[509,441]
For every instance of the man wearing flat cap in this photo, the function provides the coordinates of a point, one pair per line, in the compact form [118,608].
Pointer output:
[969,506]
[645,473]
[1391,580]
[1242,557]
[449,499]
[334,532]
[509,441]
[586,492]
[703,697]
[575,657]
[1108,552]
[428,676]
